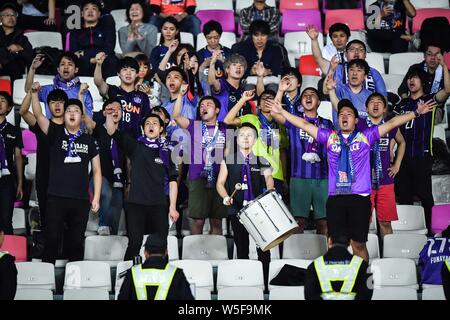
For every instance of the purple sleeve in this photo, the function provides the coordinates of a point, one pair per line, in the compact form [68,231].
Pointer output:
[372,134]
[323,135]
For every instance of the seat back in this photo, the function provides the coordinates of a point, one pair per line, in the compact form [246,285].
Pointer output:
[304,246]
[422,14]
[299,20]
[45,38]
[120,18]
[422,4]
[35,275]
[394,293]
[227,39]
[214,5]
[197,272]
[5,85]
[86,294]
[87,274]
[205,247]
[440,217]
[353,18]
[33,294]
[298,5]
[240,272]
[410,219]
[287,293]
[399,63]
[308,66]
[434,293]
[240,293]
[224,17]
[109,249]
[394,272]
[276,265]
[376,60]
[403,245]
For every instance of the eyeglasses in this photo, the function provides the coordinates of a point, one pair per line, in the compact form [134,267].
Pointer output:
[267,97]
[9,15]
[360,49]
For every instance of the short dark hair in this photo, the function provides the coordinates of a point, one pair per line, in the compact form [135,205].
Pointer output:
[360,63]
[146,13]
[111,100]
[212,25]
[163,110]
[355,41]
[69,56]
[432,44]
[8,98]
[247,125]
[347,103]
[310,89]
[57,95]
[176,69]
[127,62]
[375,95]
[9,5]
[173,21]
[339,27]
[75,102]
[96,3]
[259,26]
[267,91]
[294,72]
[152,115]
[213,99]
[417,72]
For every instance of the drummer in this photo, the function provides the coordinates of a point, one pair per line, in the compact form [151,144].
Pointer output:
[255,176]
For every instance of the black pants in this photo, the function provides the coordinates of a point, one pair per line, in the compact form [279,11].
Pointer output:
[7,197]
[142,220]
[75,213]
[242,246]
[386,41]
[41,191]
[414,179]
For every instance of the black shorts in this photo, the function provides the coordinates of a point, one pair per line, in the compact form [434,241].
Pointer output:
[350,215]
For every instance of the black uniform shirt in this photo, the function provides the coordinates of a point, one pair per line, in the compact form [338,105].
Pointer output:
[12,137]
[8,277]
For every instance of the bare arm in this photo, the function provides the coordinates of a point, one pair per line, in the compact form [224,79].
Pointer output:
[442,95]
[212,80]
[260,72]
[282,87]
[323,63]
[98,76]
[97,176]
[51,9]
[231,118]
[42,120]
[173,194]
[37,62]
[270,184]
[19,172]
[401,147]
[173,46]
[24,110]
[410,10]
[221,180]
[182,121]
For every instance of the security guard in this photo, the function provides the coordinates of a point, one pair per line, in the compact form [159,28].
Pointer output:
[337,275]
[155,279]
[8,272]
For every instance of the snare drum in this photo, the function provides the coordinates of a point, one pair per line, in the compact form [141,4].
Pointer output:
[268,220]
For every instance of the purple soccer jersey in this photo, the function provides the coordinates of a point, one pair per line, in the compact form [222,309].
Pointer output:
[228,97]
[432,256]
[360,151]
[298,143]
[197,148]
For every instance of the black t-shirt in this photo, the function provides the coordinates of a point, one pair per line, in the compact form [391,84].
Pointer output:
[8,277]
[148,170]
[104,143]
[42,154]
[69,180]
[12,136]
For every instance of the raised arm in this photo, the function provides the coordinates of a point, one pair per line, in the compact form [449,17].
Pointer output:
[182,121]
[163,64]
[442,95]
[41,119]
[410,10]
[278,117]
[401,147]
[231,118]
[98,76]
[90,124]
[301,123]
[24,110]
[330,86]
[422,108]
[282,87]
[37,62]
[323,63]
[260,73]
[212,80]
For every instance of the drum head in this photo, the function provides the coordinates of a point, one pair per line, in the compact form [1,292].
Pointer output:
[280,239]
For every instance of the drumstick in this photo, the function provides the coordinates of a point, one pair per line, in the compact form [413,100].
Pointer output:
[237,187]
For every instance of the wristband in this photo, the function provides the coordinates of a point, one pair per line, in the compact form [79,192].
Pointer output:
[416,113]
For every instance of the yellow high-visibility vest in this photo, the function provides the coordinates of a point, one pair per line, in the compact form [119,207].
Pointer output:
[161,278]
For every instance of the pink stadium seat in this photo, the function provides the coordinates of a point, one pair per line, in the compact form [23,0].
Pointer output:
[15,246]
[298,20]
[18,204]
[440,217]
[353,18]
[423,14]
[29,142]
[298,5]
[360,5]
[308,66]
[447,58]
[225,17]
[5,85]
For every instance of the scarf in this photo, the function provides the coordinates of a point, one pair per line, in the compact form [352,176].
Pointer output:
[375,160]
[208,144]
[71,153]
[345,174]
[312,145]
[117,173]
[247,179]
[437,78]
[4,171]
[267,128]
[156,144]
[62,84]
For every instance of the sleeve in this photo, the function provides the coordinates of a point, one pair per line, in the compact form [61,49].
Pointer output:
[89,104]
[172,171]
[93,148]
[340,91]
[323,135]
[112,91]
[73,43]
[274,20]
[125,44]
[126,142]
[380,86]
[146,108]
[245,20]
[312,285]
[363,292]
[109,41]
[372,134]
[27,53]
[8,278]
[18,142]
[339,74]
[127,291]
[154,58]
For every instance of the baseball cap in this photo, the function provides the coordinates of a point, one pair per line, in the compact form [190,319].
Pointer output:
[155,242]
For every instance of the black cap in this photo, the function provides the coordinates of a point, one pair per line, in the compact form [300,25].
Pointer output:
[9,5]
[156,243]
[347,103]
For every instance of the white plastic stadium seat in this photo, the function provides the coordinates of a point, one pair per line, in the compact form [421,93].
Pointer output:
[202,294]
[35,275]
[252,253]
[423,4]
[45,38]
[439,132]
[240,293]
[33,294]
[86,294]
[122,266]
[30,167]
[403,245]
[411,219]
[394,272]
[435,293]
[325,110]
[18,221]
[214,5]
[87,274]
[240,272]
[197,272]
[399,63]
[287,293]
[373,247]
[120,18]
[394,293]
[375,60]
[110,249]
[304,246]
[205,247]
[392,81]
[276,265]
[227,39]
